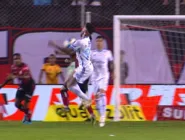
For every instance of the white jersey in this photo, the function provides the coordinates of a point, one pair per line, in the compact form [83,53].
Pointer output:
[100,61]
[82,47]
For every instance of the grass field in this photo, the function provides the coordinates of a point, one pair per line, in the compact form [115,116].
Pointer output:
[85,131]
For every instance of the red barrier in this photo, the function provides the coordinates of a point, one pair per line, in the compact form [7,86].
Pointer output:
[166,113]
[5,69]
[2,110]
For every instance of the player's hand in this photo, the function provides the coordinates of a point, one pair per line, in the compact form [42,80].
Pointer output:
[11,77]
[8,77]
[51,43]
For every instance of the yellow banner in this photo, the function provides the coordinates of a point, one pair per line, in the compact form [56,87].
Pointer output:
[128,113]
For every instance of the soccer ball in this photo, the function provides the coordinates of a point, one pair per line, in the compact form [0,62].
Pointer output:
[68,42]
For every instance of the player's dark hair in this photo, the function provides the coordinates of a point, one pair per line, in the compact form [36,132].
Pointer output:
[99,37]
[17,54]
[90,28]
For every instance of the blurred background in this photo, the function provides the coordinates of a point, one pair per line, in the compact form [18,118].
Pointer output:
[67,13]
[26,26]
[152,59]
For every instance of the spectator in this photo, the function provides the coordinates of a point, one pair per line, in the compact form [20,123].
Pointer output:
[183,2]
[87,2]
[42,2]
[96,3]
[2,110]
[124,74]
[165,2]
[52,71]
[124,67]
[78,2]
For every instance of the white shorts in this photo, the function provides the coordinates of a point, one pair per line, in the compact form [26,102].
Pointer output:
[100,84]
[83,73]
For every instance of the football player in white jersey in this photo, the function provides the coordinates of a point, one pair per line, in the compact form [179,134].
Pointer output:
[101,58]
[82,48]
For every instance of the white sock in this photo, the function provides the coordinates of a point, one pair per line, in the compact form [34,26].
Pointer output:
[76,89]
[101,105]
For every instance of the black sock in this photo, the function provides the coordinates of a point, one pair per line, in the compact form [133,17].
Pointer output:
[21,108]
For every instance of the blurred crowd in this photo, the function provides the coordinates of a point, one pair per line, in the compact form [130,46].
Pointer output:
[74,2]
[87,2]
[166,2]
[91,2]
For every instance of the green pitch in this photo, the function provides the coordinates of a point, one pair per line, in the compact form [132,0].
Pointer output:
[85,131]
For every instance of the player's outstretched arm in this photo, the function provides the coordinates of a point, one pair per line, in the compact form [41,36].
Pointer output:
[60,49]
[67,51]
[5,82]
[9,78]
[57,52]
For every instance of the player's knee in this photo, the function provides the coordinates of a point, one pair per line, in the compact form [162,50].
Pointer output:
[28,97]
[17,104]
[97,96]
[68,84]
[100,93]
[71,82]
[63,89]
[27,100]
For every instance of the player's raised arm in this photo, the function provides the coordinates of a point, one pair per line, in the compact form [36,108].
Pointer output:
[57,52]
[61,49]
[9,78]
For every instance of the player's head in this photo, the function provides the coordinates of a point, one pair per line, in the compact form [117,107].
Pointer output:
[52,59]
[87,30]
[17,59]
[99,42]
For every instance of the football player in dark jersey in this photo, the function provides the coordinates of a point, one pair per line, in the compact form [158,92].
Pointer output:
[24,93]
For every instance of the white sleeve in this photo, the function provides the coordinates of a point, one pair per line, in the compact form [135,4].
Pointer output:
[110,58]
[76,45]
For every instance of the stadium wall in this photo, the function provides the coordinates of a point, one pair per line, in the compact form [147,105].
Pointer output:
[31,42]
[138,52]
